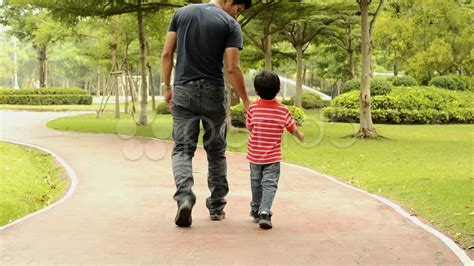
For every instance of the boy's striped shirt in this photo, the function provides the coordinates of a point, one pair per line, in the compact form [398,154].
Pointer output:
[266,120]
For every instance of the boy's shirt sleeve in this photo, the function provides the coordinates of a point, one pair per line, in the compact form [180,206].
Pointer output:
[290,124]
[248,120]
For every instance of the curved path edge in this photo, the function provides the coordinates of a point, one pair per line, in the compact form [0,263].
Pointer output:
[460,253]
[71,175]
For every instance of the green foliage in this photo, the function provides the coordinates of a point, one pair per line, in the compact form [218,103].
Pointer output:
[52,99]
[311,101]
[411,105]
[350,85]
[378,86]
[43,91]
[297,114]
[162,108]
[290,101]
[404,81]
[238,115]
[450,82]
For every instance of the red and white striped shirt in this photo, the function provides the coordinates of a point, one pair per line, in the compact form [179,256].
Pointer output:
[266,120]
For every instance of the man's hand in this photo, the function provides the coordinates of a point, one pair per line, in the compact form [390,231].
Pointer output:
[246,104]
[168,93]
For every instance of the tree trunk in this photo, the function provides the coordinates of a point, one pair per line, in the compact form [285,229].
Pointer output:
[150,73]
[395,69]
[366,129]
[114,76]
[350,50]
[144,95]
[299,75]
[97,92]
[267,47]
[42,65]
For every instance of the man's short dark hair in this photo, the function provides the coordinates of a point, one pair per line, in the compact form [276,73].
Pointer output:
[267,84]
[247,3]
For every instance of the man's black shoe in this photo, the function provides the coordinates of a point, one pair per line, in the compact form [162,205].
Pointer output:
[217,216]
[183,216]
[265,221]
[256,217]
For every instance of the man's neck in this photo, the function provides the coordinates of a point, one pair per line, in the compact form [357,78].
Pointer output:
[219,3]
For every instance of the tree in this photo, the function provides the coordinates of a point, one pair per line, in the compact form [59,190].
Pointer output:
[366,129]
[35,25]
[306,22]
[72,11]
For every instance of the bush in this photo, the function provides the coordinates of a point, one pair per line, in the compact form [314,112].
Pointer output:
[43,91]
[297,114]
[404,81]
[350,85]
[162,109]
[311,100]
[237,115]
[451,82]
[290,101]
[378,86]
[60,99]
[411,105]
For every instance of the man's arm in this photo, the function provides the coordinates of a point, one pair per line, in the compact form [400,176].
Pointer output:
[167,64]
[234,72]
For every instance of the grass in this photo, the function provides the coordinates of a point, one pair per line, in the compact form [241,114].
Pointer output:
[29,181]
[427,168]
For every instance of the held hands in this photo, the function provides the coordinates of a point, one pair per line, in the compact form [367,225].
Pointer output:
[168,93]
[246,105]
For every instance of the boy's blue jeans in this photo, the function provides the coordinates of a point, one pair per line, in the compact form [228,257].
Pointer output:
[191,104]
[264,183]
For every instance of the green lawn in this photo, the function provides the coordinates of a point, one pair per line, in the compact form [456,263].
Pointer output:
[29,181]
[110,106]
[427,168]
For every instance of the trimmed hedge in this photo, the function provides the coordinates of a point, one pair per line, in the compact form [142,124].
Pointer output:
[404,81]
[411,105]
[162,109]
[46,96]
[238,115]
[59,99]
[309,100]
[43,91]
[378,86]
[450,82]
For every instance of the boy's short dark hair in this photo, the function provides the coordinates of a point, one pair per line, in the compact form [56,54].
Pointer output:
[267,84]
[247,3]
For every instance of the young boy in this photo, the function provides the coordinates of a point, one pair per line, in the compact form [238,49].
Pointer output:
[266,120]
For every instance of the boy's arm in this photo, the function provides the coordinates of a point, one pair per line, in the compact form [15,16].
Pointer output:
[298,134]
[248,120]
[292,128]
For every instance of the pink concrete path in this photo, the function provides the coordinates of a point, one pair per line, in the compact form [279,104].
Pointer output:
[122,212]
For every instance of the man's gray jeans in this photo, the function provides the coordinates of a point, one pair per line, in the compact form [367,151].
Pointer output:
[193,103]
[264,183]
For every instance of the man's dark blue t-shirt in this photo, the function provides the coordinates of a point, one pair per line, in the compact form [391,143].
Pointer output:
[203,32]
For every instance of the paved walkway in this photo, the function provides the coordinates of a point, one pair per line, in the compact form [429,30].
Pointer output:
[123,212]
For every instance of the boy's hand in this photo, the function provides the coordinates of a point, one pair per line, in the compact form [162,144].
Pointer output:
[298,134]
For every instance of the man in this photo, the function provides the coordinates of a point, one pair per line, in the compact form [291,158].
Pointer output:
[203,35]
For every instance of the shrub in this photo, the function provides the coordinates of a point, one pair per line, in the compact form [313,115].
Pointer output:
[411,105]
[311,100]
[162,109]
[451,82]
[290,101]
[43,91]
[350,85]
[297,114]
[60,99]
[378,86]
[237,115]
[404,81]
